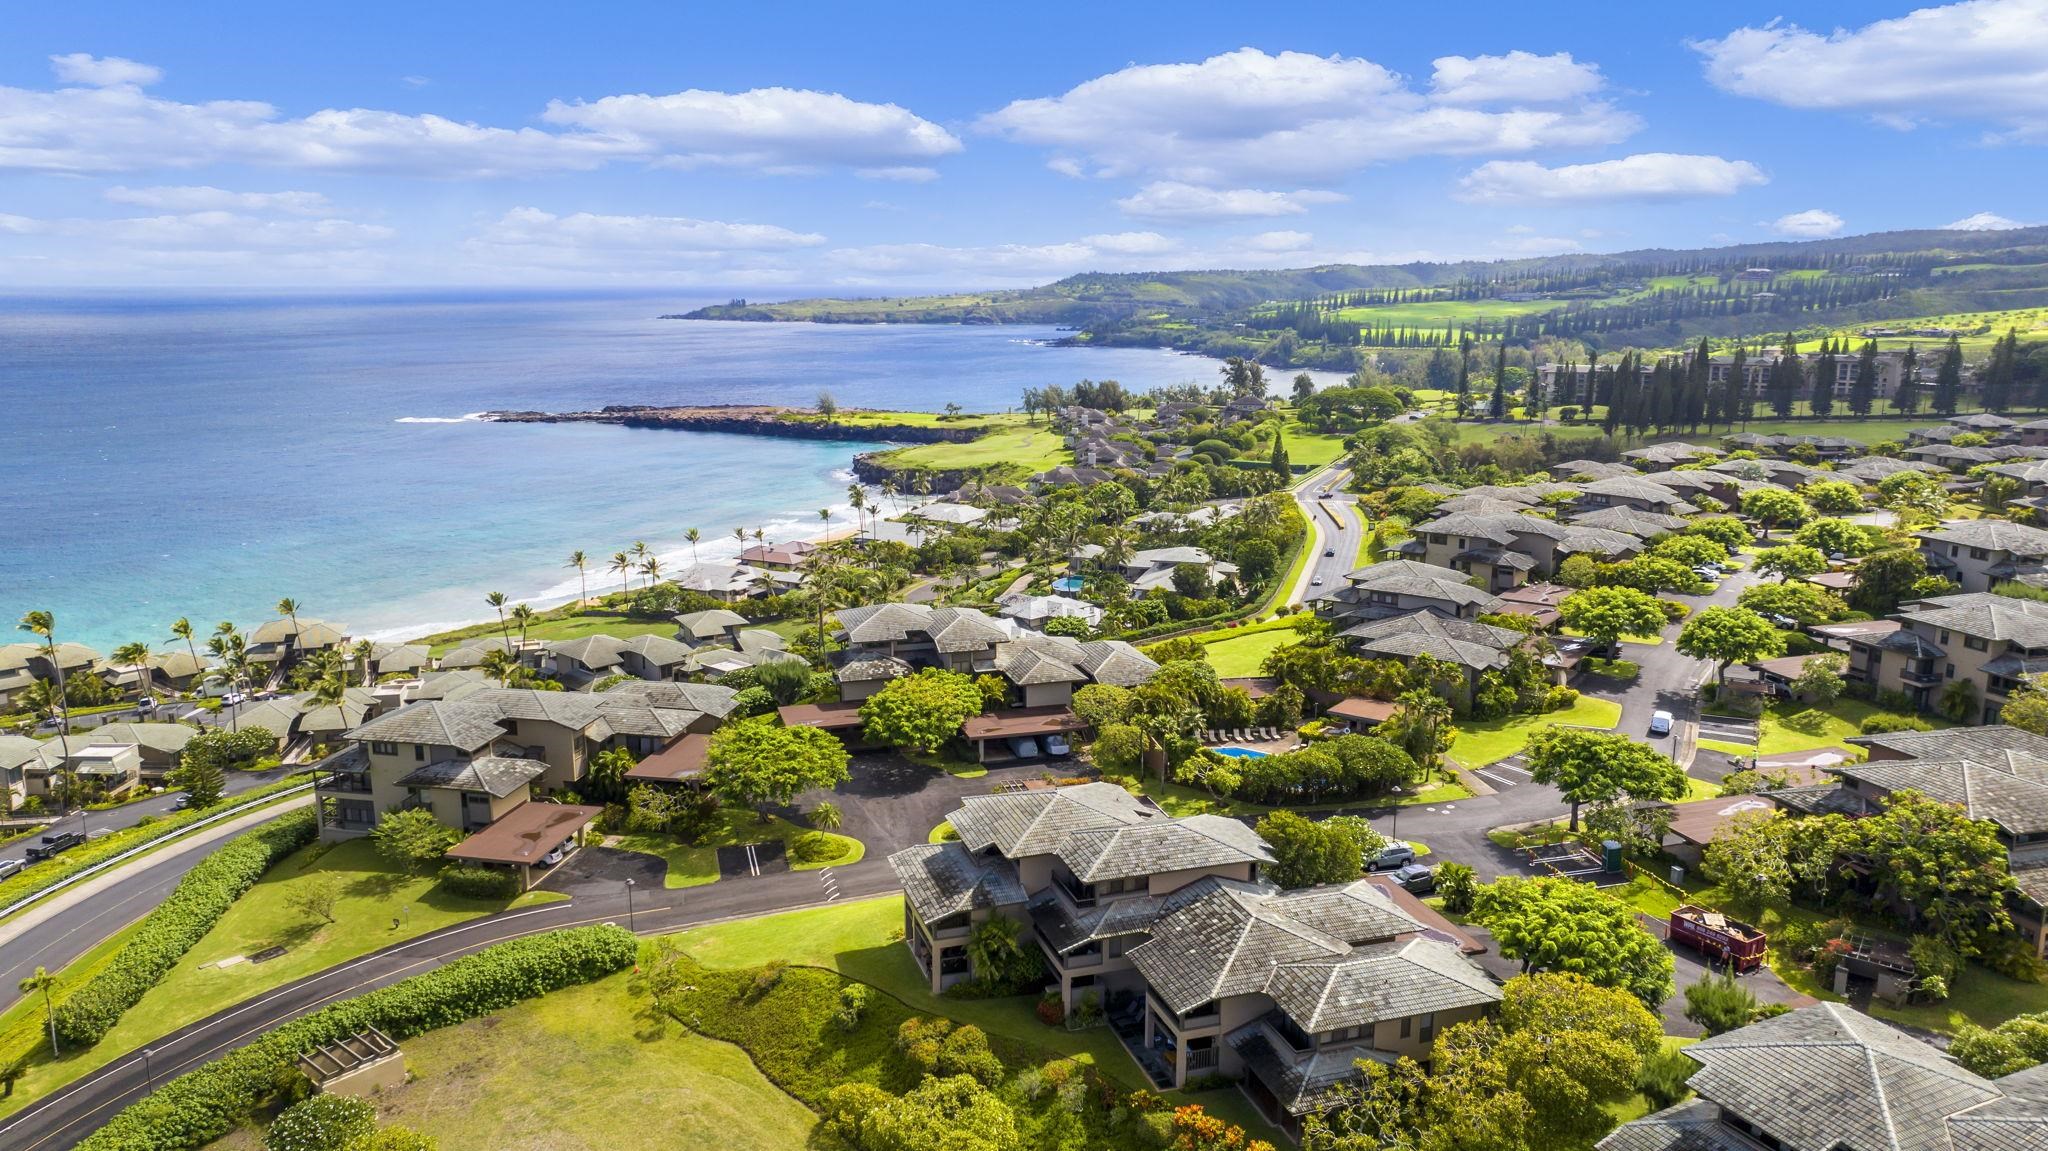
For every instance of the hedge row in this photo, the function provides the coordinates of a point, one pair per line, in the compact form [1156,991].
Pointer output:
[202,1105]
[42,876]
[480,882]
[181,920]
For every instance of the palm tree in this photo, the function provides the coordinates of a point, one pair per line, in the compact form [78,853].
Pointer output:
[181,628]
[693,535]
[136,655]
[857,498]
[740,534]
[497,600]
[622,564]
[289,608]
[651,568]
[889,488]
[230,651]
[825,517]
[640,551]
[825,816]
[44,625]
[44,982]
[364,652]
[498,664]
[331,691]
[522,615]
[761,536]
[579,561]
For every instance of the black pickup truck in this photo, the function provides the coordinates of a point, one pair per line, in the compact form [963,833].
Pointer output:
[50,845]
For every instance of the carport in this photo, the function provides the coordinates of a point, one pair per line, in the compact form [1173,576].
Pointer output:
[840,717]
[1019,723]
[523,835]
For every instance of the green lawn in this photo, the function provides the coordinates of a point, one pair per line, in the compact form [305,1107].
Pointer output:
[1981,996]
[865,418]
[1788,727]
[507,1081]
[1019,451]
[692,865]
[1481,742]
[1244,655]
[1309,449]
[563,623]
[1364,556]
[863,941]
[377,906]
[1646,640]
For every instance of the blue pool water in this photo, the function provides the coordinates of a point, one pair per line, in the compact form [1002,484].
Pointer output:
[1240,752]
[1068,584]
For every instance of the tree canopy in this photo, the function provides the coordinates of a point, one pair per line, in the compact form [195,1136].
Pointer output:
[920,711]
[1728,635]
[1308,852]
[758,761]
[1608,613]
[1597,767]
[1553,924]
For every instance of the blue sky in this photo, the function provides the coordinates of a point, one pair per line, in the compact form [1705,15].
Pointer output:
[866,148]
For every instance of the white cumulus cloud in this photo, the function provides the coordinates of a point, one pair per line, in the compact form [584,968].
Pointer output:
[201,198]
[1644,176]
[591,231]
[1237,118]
[1518,77]
[773,128]
[1172,200]
[1980,60]
[1280,241]
[110,124]
[103,71]
[1983,222]
[1812,224]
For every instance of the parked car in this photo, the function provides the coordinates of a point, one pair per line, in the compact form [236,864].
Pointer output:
[1024,747]
[1660,723]
[1396,854]
[1783,622]
[1316,582]
[1057,745]
[183,801]
[560,853]
[50,845]
[1417,878]
[9,866]
[1707,572]
[145,706]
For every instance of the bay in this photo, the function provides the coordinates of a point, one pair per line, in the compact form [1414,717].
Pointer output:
[204,456]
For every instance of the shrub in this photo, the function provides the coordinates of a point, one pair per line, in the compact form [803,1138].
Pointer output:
[322,1123]
[181,920]
[1718,1003]
[1560,698]
[1890,721]
[853,1004]
[815,847]
[203,1105]
[1662,1078]
[1457,883]
[480,882]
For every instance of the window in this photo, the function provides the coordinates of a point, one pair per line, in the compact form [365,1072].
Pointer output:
[1979,554]
[1429,1027]
[419,752]
[1944,637]
[1407,1026]
[511,727]
[1951,674]
[1975,644]
[377,747]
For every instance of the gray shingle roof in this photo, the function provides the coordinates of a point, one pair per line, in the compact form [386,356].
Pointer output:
[1426,581]
[1389,980]
[1472,645]
[1828,1076]
[2013,796]
[1982,614]
[1024,823]
[1694,1125]
[1997,535]
[1983,744]
[707,698]
[1192,843]
[1227,938]
[496,775]
[942,879]
[2017,1122]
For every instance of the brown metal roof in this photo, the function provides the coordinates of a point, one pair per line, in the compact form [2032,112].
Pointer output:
[1700,821]
[1428,916]
[829,716]
[1023,721]
[525,833]
[683,759]
[1364,710]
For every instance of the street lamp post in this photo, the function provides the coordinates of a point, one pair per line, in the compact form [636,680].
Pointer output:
[1397,812]
[148,1072]
[629,907]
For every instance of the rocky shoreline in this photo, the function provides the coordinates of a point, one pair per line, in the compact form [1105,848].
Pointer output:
[745,420]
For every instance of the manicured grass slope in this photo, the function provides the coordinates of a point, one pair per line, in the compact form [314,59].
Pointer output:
[586,1067]
[372,896]
[692,865]
[1481,742]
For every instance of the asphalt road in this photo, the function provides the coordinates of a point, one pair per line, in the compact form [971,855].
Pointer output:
[130,814]
[1336,532]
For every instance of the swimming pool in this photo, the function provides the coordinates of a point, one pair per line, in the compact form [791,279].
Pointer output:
[1241,752]
[1068,584]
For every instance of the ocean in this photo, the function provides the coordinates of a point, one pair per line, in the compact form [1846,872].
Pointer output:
[204,456]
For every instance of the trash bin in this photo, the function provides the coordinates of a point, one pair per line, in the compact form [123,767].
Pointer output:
[1610,854]
[1677,876]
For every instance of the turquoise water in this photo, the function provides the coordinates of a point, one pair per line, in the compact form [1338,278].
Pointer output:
[1240,752]
[1069,584]
[205,456]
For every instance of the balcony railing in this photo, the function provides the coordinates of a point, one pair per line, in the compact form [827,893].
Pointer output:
[343,785]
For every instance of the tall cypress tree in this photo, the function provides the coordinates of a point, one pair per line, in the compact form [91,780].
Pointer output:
[1786,377]
[1906,399]
[1865,386]
[1743,400]
[1464,374]
[1497,407]
[1825,369]
[1998,376]
[1948,379]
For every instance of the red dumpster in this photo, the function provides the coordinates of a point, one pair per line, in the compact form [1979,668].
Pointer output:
[1718,937]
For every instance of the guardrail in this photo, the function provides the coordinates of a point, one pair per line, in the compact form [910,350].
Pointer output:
[149,845]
